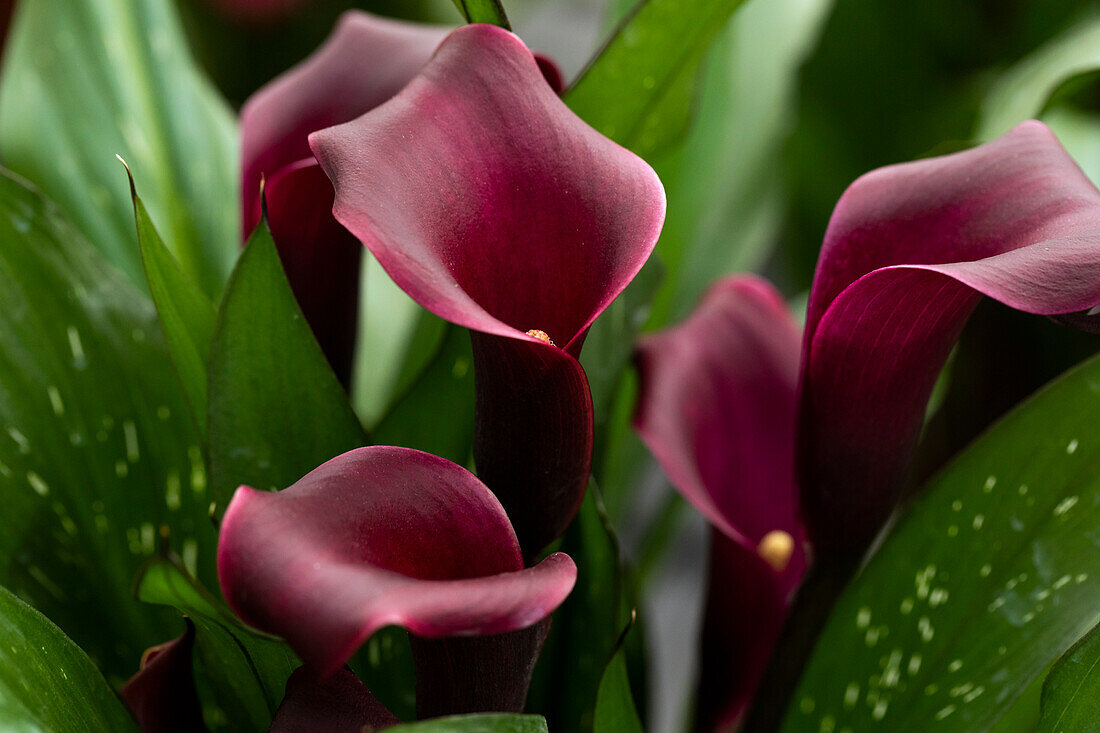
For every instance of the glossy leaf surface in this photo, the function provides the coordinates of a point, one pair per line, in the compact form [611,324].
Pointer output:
[46,681]
[1071,693]
[276,409]
[97,453]
[249,670]
[185,313]
[639,87]
[117,78]
[985,581]
[482,723]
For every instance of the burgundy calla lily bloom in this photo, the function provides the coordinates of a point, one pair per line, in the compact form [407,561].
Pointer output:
[386,536]
[496,208]
[340,703]
[717,409]
[162,696]
[909,252]
[365,61]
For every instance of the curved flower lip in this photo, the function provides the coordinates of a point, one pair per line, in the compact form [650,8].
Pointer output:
[717,409]
[908,253]
[162,695]
[380,536]
[487,200]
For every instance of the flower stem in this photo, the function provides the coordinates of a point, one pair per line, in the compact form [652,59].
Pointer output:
[813,603]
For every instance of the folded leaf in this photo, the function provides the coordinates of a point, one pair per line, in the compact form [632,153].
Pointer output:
[248,670]
[908,253]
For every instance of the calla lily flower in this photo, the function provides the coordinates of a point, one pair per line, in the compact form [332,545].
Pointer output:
[717,409]
[908,253]
[162,696]
[365,61]
[491,204]
[386,536]
[339,704]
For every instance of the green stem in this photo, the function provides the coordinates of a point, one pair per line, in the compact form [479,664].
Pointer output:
[483,11]
[810,610]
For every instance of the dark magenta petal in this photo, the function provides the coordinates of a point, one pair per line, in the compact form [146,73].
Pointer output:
[717,407]
[487,200]
[337,704]
[162,696]
[908,253]
[365,61]
[380,536]
[479,674]
[320,257]
[533,434]
[744,615]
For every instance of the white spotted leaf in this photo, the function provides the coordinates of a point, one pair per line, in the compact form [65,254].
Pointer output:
[97,454]
[987,579]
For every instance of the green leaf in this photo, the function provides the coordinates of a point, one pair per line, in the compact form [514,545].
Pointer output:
[483,11]
[436,412]
[1023,92]
[615,711]
[186,315]
[249,669]
[86,79]
[586,629]
[726,203]
[481,723]
[276,409]
[46,681]
[987,579]
[638,90]
[1071,693]
[96,450]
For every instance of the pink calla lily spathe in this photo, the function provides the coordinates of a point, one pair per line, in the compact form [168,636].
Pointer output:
[491,204]
[717,408]
[386,536]
[909,252]
[162,695]
[365,61]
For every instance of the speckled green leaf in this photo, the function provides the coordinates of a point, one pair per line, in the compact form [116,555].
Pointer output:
[84,80]
[276,409]
[1071,693]
[46,682]
[482,723]
[638,90]
[97,453]
[248,669]
[990,576]
[186,315]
